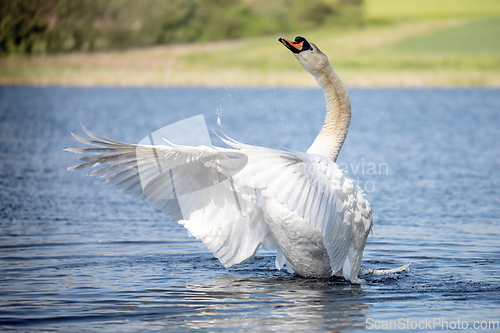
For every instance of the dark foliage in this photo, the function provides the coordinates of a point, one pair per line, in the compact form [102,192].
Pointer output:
[51,26]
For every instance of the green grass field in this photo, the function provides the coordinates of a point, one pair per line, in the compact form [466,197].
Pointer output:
[446,52]
[480,36]
[409,43]
[395,10]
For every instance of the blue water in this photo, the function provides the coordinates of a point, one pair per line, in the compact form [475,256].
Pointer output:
[77,255]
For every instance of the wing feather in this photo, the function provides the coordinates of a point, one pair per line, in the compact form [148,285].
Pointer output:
[185,182]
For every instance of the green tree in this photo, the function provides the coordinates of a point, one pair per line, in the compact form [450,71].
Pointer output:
[50,26]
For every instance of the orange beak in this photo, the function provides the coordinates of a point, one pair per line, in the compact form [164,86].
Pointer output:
[289,44]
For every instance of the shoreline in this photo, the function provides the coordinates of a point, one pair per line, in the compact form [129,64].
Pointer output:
[405,54]
[234,77]
[239,86]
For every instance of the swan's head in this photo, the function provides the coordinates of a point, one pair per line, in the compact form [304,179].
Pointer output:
[308,54]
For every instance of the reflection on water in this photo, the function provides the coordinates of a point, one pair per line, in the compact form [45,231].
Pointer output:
[279,303]
[77,255]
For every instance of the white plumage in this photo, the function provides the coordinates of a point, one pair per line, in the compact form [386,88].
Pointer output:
[236,199]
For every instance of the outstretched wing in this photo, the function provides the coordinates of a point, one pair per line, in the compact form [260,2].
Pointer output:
[192,184]
[318,191]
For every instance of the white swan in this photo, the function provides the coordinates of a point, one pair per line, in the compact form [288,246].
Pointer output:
[302,205]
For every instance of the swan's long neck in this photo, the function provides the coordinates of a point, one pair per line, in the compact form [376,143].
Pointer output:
[338,115]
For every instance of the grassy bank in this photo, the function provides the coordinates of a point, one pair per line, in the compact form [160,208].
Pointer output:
[402,46]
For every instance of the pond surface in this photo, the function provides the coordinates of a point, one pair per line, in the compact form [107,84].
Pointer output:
[77,255]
